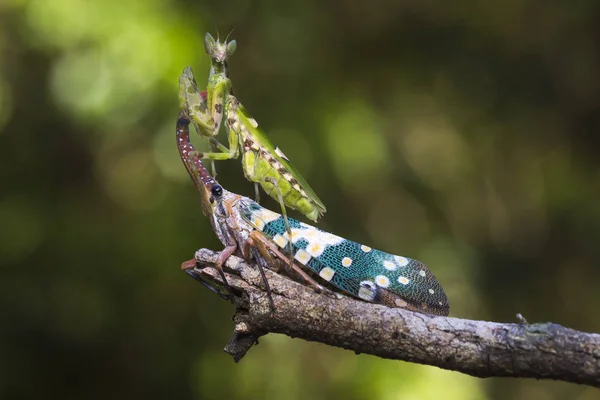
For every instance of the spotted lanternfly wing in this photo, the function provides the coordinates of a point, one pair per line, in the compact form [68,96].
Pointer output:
[356,269]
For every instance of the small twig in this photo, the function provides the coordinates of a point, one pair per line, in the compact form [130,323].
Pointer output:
[478,348]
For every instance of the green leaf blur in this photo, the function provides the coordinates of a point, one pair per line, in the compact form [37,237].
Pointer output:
[465,136]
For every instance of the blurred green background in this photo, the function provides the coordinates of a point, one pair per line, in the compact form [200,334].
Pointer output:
[463,135]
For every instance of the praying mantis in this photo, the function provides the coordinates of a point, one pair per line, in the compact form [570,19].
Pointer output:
[263,163]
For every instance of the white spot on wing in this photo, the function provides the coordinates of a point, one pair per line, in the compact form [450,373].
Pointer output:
[431,291]
[346,261]
[422,273]
[400,303]
[382,281]
[402,261]
[302,256]
[403,280]
[313,235]
[258,223]
[310,233]
[315,249]
[266,215]
[364,248]
[327,273]
[295,235]
[280,241]
[329,239]
[389,265]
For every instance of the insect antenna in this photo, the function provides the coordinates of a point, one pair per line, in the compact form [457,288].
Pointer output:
[229,34]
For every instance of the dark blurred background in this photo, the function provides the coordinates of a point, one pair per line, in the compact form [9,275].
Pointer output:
[463,135]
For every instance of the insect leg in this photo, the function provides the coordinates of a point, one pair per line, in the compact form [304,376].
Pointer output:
[217,148]
[194,102]
[221,259]
[273,181]
[267,258]
[218,145]
[219,96]
[213,168]
[213,147]
[224,153]
[212,156]
[259,237]
[256,193]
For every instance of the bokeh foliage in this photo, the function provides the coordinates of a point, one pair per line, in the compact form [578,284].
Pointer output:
[463,135]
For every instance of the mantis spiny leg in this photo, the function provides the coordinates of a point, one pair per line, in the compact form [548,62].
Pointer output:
[256,193]
[218,145]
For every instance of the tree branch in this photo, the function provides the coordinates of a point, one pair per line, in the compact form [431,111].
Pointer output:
[477,348]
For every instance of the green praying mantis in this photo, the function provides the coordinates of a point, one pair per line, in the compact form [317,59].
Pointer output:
[263,163]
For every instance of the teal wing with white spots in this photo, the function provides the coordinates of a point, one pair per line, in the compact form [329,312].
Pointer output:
[356,269]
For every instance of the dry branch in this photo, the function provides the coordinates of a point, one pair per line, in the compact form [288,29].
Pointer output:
[478,348]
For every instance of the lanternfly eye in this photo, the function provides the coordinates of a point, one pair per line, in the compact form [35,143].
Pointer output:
[216,190]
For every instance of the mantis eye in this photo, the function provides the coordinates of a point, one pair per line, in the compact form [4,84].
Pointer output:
[209,43]
[231,47]
[216,190]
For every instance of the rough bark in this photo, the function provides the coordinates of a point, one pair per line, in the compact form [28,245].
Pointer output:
[477,348]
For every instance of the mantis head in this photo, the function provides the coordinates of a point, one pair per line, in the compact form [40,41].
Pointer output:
[219,52]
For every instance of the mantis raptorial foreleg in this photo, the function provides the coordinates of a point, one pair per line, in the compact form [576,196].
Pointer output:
[213,156]
[194,102]
[225,154]
[218,146]
[216,102]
